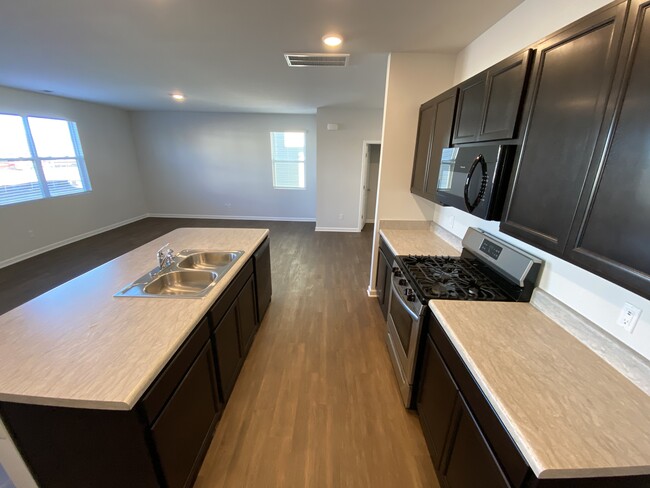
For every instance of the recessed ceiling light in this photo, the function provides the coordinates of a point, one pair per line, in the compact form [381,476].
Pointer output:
[179,97]
[332,40]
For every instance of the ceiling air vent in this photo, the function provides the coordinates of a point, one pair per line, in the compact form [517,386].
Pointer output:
[319,59]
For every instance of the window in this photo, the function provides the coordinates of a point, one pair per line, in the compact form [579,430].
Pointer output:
[288,154]
[39,158]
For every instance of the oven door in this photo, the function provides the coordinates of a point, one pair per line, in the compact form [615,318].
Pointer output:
[403,334]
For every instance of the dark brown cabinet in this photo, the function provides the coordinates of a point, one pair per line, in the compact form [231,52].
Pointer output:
[263,285]
[384,267]
[434,133]
[612,232]
[436,400]
[234,321]
[570,85]
[471,462]
[489,103]
[183,429]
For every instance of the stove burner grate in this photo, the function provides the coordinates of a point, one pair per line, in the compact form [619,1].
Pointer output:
[451,278]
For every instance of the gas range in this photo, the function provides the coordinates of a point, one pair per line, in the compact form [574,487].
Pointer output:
[488,269]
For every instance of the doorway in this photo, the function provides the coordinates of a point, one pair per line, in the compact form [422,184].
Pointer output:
[369,180]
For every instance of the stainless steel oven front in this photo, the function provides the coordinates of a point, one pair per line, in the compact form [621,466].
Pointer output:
[404,324]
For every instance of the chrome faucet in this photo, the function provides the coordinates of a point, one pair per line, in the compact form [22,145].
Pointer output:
[165,259]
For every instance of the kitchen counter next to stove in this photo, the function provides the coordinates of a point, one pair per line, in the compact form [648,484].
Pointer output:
[79,346]
[420,241]
[570,413]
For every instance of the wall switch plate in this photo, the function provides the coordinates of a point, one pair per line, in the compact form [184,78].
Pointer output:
[628,317]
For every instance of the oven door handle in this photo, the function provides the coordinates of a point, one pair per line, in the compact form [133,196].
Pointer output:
[401,300]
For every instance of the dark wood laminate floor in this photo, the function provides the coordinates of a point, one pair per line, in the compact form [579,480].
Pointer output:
[316,403]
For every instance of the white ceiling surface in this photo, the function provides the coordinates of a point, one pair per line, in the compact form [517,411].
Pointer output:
[225,55]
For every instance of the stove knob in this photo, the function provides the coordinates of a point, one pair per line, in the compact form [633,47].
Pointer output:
[402,282]
[410,298]
[408,291]
[397,272]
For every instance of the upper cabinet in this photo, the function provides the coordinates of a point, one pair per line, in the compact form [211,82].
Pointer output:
[489,103]
[611,233]
[570,85]
[434,134]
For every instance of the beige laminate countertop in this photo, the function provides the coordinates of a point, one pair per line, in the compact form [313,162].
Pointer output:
[79,346]
[570,413]
[421,242]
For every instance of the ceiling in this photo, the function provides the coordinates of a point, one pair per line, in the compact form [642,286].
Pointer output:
[224,55]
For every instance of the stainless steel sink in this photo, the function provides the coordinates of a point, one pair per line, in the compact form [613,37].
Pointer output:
[191,274]
[180,283]
[209,260]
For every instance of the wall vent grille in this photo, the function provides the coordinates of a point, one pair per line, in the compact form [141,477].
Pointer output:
[303,60]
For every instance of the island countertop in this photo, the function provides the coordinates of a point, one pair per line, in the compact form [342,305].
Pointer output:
[79,346]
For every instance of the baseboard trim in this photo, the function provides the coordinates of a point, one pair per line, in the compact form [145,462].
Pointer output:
[372,292]
[49,247]
[232,217]
[336,229]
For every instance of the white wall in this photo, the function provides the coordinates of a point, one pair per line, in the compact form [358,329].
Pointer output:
[219,164]
[374,153]
[595,298]
[116,194]
[412,79]
[530,22]
[340,157]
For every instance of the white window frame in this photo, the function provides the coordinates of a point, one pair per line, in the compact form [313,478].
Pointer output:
[274,160]
[37,161]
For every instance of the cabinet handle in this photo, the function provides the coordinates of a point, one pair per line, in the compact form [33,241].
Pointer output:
[484,180]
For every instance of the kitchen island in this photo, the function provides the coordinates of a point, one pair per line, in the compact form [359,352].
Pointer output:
[105,391]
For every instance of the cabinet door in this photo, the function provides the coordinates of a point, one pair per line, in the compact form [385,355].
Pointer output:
[612,236]
[247,316]
[471,93]
[229,357]
[422,147]
[570,85]
[437,396]
[505,87]
[182,432]
[263,283]
[434,134]
[471,462]
[440,139]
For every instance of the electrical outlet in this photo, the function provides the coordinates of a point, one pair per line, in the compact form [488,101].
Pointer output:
[228,205]
[340,216]
[30,233]
[628,317]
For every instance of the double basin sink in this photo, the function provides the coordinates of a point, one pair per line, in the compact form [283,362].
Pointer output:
[191,274]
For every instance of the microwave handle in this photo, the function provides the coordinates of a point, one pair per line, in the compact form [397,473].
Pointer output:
[484,180]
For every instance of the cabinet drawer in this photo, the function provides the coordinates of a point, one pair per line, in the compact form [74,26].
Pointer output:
[159,392]
[186,424]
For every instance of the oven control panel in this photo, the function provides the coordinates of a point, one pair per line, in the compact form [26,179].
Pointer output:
[491,249]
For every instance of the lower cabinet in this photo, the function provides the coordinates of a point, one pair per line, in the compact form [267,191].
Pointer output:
[183,430]
[263,285]
[234,321]
[471,462]
[468,444]
[436,400]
